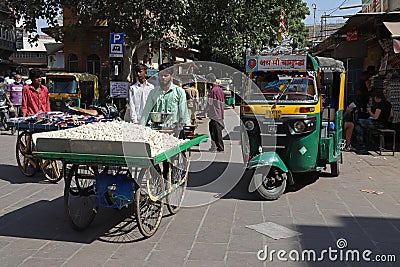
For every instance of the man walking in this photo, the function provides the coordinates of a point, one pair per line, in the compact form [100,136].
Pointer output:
[14,94]
[215,110]
[138,93]
[192,98]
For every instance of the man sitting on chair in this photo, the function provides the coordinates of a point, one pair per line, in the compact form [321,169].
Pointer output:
[377,120]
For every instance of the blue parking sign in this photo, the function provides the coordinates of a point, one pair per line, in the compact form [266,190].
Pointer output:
[116,44]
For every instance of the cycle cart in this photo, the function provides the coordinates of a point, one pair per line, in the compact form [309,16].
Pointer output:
[44,122]
[119,174]
[24,147]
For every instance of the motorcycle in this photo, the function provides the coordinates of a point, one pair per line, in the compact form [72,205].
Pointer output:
[5,112]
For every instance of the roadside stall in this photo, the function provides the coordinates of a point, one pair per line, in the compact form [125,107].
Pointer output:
[116,164]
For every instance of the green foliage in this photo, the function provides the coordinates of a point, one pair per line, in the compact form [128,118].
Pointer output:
[220,29]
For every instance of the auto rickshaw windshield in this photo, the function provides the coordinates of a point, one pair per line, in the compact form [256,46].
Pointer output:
[286,88]
[63,86]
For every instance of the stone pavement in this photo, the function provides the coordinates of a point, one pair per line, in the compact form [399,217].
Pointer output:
[34,230]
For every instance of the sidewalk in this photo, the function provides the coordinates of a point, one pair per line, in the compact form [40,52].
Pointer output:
[34,230]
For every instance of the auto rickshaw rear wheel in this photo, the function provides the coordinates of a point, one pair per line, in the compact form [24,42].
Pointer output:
[270,182]
[335,169]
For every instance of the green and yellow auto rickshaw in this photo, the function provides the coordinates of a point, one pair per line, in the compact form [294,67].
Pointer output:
[229,92]
[72,90]
[291,119]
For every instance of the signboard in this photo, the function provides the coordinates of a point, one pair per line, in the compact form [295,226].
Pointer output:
[370,6]
[119,89]
[276,62]
[116,44]
[352,36]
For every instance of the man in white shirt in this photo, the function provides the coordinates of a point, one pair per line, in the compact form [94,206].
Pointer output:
[138,93]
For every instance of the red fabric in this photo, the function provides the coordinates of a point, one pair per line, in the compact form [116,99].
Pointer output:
[34,102]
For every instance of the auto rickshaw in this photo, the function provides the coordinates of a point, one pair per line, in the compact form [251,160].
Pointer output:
[229,93]
[72,90]
[285,127]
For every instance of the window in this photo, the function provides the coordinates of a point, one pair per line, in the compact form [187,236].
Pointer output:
[93,64]
[72,63]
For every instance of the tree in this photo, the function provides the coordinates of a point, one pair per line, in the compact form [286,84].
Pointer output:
[221,29]
[224,29]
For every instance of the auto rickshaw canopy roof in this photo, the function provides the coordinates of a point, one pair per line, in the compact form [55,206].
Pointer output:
[87,77]
[330,63]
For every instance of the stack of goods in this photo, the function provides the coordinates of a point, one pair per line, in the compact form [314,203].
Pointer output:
[117,131]
[58,119]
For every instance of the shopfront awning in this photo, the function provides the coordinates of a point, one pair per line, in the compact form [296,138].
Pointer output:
[394,28]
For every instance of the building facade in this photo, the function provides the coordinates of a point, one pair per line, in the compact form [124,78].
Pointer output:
[7,40]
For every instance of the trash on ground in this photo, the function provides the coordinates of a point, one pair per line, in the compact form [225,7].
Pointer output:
[273,230]
[371,191]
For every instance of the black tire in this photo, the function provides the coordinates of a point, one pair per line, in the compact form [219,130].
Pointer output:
[270,183]
[179,171]
[5,118]
[23,153]
[80,197]
[335,169]
[52,170]
[148,212]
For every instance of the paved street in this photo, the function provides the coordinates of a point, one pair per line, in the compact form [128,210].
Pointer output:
[34,230]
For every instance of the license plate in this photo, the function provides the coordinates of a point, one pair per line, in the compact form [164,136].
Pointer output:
[275,114]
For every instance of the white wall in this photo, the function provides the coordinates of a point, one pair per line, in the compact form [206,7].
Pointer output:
[56,61]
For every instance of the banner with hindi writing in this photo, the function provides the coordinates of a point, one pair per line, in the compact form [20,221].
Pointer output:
[276,62]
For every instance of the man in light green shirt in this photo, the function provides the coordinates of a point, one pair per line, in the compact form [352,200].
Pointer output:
[167,98]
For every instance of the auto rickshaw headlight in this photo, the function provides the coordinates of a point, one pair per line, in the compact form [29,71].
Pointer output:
[249,125]
[299,126]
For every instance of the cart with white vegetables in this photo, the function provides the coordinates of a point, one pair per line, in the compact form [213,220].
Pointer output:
[119,165]
[43,122]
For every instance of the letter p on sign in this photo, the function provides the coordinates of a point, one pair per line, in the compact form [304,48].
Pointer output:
[116,44]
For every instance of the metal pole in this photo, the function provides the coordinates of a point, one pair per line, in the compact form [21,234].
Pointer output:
[160,55]
[313,36]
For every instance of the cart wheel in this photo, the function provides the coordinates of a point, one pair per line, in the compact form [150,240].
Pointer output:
[149,212]
[23,152]
[52,170]
[179,173]
[80,196]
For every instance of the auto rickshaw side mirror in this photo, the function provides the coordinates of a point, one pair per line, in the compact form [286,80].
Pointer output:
[326,77]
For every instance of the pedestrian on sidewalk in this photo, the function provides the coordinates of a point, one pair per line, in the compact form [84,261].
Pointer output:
[215,110]
[192,98]
[138,93]
[14,95]
[35,96]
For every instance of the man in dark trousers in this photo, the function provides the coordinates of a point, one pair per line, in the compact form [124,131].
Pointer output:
[215,110]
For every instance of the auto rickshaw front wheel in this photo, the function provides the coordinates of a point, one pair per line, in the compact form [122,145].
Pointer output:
[270,182]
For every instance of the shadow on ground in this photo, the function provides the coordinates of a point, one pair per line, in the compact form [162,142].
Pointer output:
[14,175]
[347,241]
[46,220]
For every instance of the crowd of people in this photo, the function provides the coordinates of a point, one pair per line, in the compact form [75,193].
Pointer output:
[167,97]
[26,97]
[369,111]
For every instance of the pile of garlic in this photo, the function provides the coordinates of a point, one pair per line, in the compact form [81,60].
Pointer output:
[118,131]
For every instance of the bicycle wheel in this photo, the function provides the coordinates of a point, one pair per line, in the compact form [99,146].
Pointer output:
[52,170]
[80,196]
[178,174]
[148,211]
[23,153]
